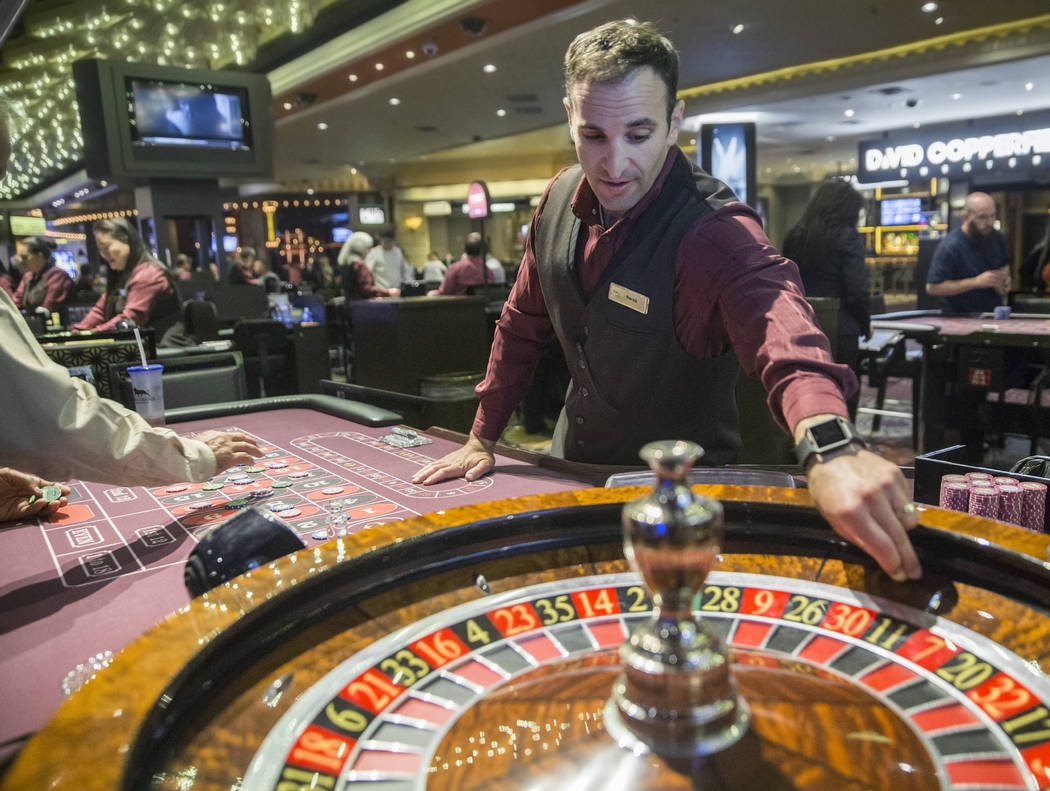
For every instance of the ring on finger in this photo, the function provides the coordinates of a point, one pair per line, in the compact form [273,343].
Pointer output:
[908,509]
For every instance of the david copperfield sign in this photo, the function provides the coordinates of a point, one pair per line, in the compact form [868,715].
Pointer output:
[1016,147]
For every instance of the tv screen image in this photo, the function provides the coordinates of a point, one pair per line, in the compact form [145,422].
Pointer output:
[67,262]
[181,114]
[902,211]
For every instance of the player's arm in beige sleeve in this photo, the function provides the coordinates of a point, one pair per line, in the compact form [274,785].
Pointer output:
[58,427]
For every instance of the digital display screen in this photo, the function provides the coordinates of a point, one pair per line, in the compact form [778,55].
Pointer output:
[901,211]
[165,113]
[340,235]
[67,262]
[371,215]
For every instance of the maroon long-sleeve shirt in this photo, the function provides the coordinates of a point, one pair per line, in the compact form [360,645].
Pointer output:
[732,288]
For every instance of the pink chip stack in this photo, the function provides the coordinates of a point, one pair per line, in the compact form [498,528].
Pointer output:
[1033,509]
[1002,497]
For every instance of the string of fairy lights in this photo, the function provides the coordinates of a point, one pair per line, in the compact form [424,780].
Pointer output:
[36,83]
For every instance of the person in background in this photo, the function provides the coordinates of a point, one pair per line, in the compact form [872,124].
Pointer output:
[969,270]
[829,253]
[387,263]
[354,275]
[183,268]
[241,268]
[43,284]
[434,268]
[470,270]
[497,274]
[65,430]
[140,291]
[659,283]
[10,275]
[266,279]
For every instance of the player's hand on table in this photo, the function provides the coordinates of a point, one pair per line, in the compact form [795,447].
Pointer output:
[471,461]
[230,448]
[22,495]
[865,498]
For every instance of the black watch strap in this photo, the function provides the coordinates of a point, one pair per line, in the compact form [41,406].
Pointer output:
[828,439]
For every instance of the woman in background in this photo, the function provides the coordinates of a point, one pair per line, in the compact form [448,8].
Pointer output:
[43,284]
[140,290]
[830,256]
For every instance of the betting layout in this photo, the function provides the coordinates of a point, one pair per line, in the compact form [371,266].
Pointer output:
[107,531]
[979,712]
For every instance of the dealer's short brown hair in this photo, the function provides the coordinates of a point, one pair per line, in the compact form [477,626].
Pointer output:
[609,53]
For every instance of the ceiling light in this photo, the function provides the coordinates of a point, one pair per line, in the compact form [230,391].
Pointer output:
[394,101]
[957,96]
[352,77]
[938,20]
[288,105]
[501,112]
[1020,112]
[737,29]
[322,126]
[410,54]
[849,112]
[309,190]
[379,67]
[1029,85]
[489,68]
[929,8]
[1036,159]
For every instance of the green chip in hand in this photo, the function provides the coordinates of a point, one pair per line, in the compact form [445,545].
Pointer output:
[52,493]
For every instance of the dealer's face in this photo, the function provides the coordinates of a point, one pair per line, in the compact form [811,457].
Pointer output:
[979,216]
[622,136]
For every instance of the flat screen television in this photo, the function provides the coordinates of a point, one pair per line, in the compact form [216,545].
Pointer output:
[142,121]
[901,211]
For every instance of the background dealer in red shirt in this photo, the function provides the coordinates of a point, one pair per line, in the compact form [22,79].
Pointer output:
[655,279]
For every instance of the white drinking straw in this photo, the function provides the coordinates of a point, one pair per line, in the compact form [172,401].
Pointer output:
[142,349]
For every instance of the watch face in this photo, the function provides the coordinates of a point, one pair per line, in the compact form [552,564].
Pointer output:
[827,433]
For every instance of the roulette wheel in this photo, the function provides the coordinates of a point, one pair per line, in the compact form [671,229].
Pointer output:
[478,648]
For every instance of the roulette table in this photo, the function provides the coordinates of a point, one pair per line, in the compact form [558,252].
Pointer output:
[110,564]
[476,647]
[974,373]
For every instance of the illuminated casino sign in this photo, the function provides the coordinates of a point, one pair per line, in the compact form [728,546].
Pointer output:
[478,201]
[1013,147]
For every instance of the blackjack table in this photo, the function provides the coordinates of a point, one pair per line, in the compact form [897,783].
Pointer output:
[82,584]
[976,373]
[475,648]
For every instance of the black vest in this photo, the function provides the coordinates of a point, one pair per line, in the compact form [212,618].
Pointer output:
[632,382]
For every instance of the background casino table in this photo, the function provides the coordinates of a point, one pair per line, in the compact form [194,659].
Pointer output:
[475,648]
[977,372]
[110,564]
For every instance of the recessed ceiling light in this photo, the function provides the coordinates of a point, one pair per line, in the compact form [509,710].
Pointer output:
[830,138]
[309,190]
[410,54]
[692,141]
[939,20]
[322,126]
[379,67]
[489,68]
[1020,112]
[1036,159]
[849,112]
[929,8]
[501,112]
[1029,85]
[353,171]
[956,96]
[287,105]
[737,29]
[394,101]
[352,77]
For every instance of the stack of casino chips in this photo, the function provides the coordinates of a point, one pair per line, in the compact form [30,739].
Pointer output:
[1006,499]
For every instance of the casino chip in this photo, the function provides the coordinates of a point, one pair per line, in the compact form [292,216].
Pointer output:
[179,487]
[200,506]
[319,535]
[255,470]
[300,474]
[239,502]
[288,513]
[332,490]
[277,465]
[281,484]
[280,505]
[52,493]
[213,486]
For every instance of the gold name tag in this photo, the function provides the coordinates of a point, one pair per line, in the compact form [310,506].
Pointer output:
[629,299]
